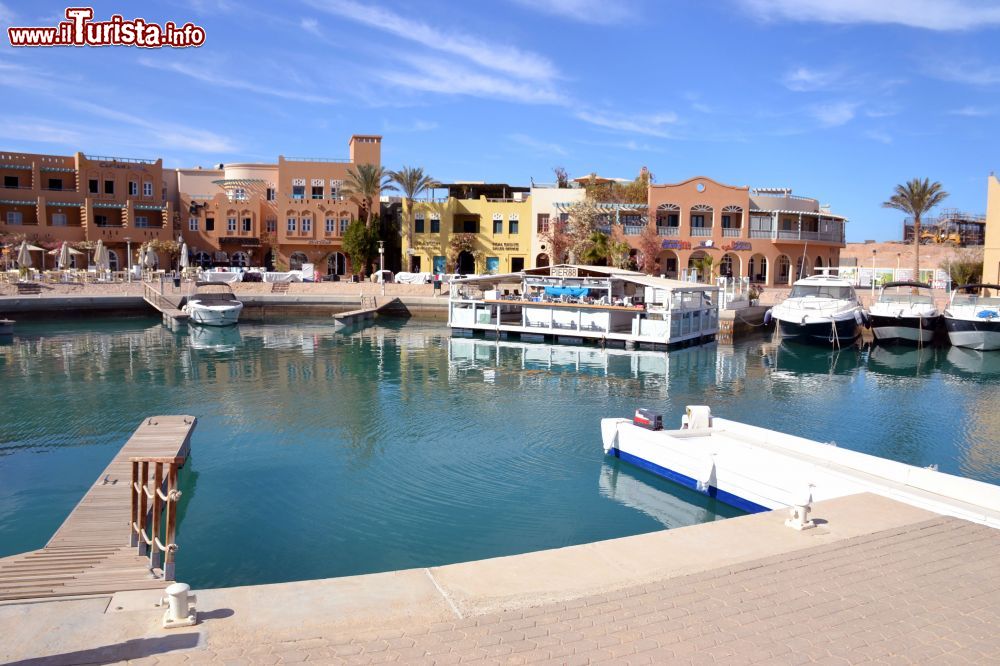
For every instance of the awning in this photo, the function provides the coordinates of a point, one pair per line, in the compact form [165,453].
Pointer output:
[800,212]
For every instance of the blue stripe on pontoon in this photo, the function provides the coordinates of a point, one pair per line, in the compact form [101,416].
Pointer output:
[687,481]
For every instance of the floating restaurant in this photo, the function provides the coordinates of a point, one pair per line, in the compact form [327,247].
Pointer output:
[573,304]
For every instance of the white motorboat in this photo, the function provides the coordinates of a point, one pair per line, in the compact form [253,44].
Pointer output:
[213,304]
[756,469]
[820,309]
[905,312]
[973,320]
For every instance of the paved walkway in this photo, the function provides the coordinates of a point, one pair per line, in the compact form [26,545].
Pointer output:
[922,593]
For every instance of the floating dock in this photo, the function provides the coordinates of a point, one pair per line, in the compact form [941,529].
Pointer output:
[90,553]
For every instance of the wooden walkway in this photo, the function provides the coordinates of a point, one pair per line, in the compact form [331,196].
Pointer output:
[90,552]
[169,309]
[369,308]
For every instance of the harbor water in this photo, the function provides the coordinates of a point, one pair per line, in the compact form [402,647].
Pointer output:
[321,453]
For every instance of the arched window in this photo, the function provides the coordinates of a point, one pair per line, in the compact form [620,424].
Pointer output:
[296,260]
[113,260]
[203,259]
[240,259]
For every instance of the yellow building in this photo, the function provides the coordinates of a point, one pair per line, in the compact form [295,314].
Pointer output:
[479,228]
[991,255]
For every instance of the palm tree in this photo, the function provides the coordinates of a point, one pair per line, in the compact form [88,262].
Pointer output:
[598,250]
[916,198]
[367,182]
[412,182]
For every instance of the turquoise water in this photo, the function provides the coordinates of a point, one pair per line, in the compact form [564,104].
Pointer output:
[324,454]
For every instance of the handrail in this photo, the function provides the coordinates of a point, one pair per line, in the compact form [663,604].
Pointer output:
[146,523]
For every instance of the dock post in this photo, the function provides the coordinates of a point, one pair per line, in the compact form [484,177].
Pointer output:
[143,506]
[154,535]
[133,539]
[171,546]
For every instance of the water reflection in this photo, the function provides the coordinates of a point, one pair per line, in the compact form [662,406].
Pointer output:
[903,360]
[970,362]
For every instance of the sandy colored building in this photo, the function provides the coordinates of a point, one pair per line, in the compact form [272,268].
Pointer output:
[548,205]
[494,219]
[991,253]
[769,235]
[49,199]
[289,214]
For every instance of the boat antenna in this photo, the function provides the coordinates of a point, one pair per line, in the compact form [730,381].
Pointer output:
[802,267]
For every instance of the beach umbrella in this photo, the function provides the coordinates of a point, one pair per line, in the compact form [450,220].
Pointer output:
[150,258]
[24,255]
[101,259]
[63,262]
[183,261]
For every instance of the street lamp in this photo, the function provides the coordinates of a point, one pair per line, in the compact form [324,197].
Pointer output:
[874,252]
[898,255]
[381,264]
[128,257]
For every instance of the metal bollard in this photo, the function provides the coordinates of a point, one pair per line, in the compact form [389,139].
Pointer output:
[799,519]
[180,610]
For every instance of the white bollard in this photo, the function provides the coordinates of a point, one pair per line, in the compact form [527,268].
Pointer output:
[180,611]
[799,519]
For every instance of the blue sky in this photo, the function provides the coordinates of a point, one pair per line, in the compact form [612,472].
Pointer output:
[838,100]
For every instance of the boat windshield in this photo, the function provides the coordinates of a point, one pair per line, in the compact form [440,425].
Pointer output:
[974,299]
[907,299]
[822,291]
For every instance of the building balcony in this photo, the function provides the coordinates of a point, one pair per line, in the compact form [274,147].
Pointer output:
[633,229]
[732,233]
[829,237]
[668,231]
[760,233]
[701,232]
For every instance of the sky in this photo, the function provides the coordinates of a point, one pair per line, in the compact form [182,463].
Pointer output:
[836,100]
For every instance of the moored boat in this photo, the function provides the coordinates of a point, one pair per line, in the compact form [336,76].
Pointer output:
[213,304]
[820,309]
[905,312]
[973,320]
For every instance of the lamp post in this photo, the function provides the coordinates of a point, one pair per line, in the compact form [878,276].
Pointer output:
[874,252]
[128,257]
[898,254]
[381,264]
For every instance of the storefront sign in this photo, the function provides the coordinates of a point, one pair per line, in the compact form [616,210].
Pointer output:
[246,242]
[676,245]
[319,242]
[506,247]
[738,246]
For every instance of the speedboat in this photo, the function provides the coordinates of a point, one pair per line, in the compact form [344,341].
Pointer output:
[822,309]
[973,320]
[213,304]
[904,312]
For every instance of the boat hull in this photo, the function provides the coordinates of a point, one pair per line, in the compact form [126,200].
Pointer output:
[907,330]
[981,334]
[214,316]
[847,330]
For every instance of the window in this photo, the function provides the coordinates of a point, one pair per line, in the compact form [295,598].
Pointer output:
[55,183]
[727,222]
[272,226]
[101,220]
[141,221]
[543,223]
[12,182]
[435,225]
[293,224]
[247,224]
[58,219]
[231,224]
[298,191]
[192,224]
[133,188]
[109,187]
[344,223]
[465,226]
[209,224]
[92,186]
[270,194]
[335,186]
[418,225]
[307,225]
[516,264]
[14,217]
[786,224]
[331,224]
[497,225]
[239,194]
[513,225]
[697,221]
[317,192]
[147,188]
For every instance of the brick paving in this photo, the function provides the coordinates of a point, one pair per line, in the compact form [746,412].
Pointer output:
[924,593]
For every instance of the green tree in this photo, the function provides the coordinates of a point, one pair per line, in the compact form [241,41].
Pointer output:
[411,182]
[367,182]
[360,244]
[964,268]
[650,245]
[915,198]
[598,250]
[705,267]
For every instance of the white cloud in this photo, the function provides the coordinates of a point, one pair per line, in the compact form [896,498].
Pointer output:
[415,126]
[878,135]
[835,113]
[31,130]
[926,14]
[804,79]
[971,73]
[311,25]
[488,53]
[233,81]
[652,125]
[538,145]
[598,12]
[449,78]
[162,134]
[972,112]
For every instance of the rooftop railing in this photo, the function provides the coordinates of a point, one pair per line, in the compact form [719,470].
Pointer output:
[128,160]
[334,160]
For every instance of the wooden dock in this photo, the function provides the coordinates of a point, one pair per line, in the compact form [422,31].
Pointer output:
[369,308]
[90,552]
[170,309]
